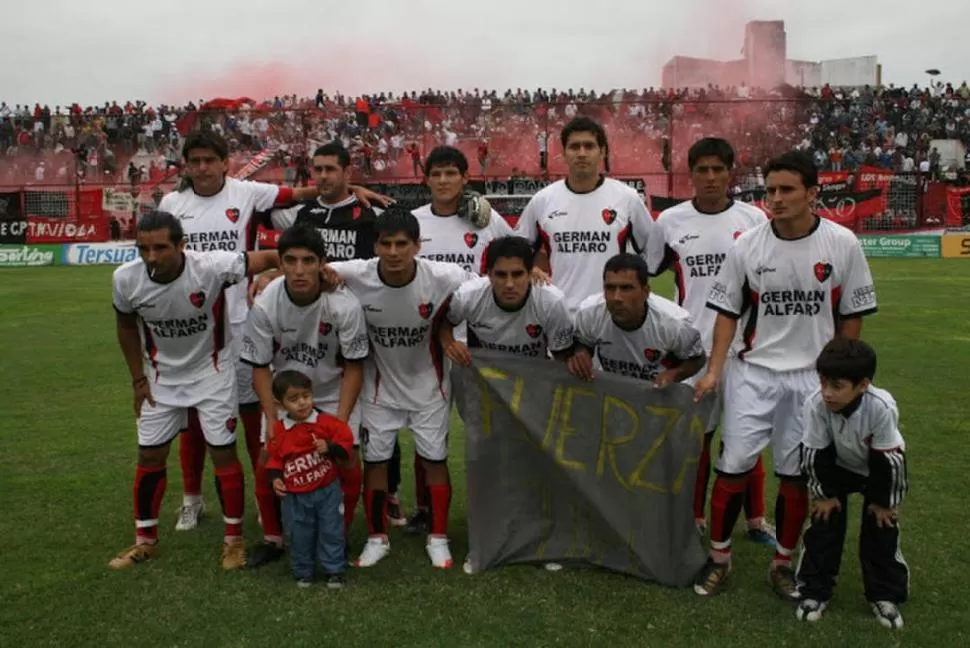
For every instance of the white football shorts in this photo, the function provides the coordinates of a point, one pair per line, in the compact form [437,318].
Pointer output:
[380,426]
[762,406]
[214,398]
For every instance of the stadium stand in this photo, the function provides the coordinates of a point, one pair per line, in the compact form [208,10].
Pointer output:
[135,146]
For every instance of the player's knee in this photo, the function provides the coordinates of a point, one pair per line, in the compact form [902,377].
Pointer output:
[153,456]
[223,455]
[436,471]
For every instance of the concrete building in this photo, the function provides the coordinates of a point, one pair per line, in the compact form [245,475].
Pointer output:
[766,65]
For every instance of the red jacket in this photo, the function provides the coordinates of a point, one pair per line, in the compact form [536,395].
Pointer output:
[293,456]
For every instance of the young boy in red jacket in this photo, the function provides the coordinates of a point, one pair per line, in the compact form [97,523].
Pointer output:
[302,449]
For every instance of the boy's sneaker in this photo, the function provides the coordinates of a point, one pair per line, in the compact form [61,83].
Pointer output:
[263,554]
[336,581]
[419,523]
[133,555]
[712,577]
[784,582]
[888,614]
[762,534]
[189,516]
[374,551]
[439,552]
[304,583]
[810,610]
[395,514]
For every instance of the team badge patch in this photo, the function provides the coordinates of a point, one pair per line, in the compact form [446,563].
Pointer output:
[471,239]
[737,234]
[652,355]
[823,271]
[356,212]
[325,328]
[197,299]
[609,215]
[425,310]
[533,330]
[232,214]
[231,424]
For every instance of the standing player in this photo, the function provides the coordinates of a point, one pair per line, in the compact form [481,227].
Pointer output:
[448,237]
[634,332]
[583,221]
[408,385]
[172,329]
[796,281]
[693,239]
[217,214]
[298,323]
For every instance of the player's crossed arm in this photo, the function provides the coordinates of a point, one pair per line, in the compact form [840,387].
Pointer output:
[687,347]
[579,361]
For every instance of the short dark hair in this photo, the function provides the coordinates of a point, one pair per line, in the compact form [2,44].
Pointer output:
[206,139]
[846,359]
[395,220]
[446,156]
[711,147]
[303,236]
[334,149]
[795,162]
[584,125]
[289,379]
[509,247]
[158,220]
[627,261]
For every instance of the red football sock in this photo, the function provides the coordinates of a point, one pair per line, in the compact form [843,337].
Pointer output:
[148,491]
[230,486]
[351,480]
[269,506]
[703,477]
[375,507]
[440,497]
[754,494]
[252,420]
[420,483]
[726,501]
[791,507]
[192,456]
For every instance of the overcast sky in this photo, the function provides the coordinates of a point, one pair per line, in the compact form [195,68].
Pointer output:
[58,51]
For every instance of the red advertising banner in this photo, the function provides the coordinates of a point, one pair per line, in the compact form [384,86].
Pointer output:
[65,216]
[957,206]
[62,230]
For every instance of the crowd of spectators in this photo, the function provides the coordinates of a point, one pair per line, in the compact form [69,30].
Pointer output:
[513,133]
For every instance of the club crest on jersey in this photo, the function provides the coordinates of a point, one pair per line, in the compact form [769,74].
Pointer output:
[356,212]
[823,271]
[471,239]
[425,310]
[231,424]
[652,355]
[533,330]
[232,214]
[609,215]
[197,299]
[737,234]
[325,328]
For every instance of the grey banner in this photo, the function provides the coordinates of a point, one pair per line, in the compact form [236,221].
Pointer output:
[560,470]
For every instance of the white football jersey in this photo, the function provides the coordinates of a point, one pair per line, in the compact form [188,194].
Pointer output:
[874,425]
[452,239]
[541,323]
[313,339]
[693,245]
[666,338]
[409,371]
[223,221]
[581,232]
[791,294]
[183,322]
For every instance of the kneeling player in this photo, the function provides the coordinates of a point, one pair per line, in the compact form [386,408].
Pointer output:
[298,323]
[408,385]
[852,444]
[634,332]
[173,332]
